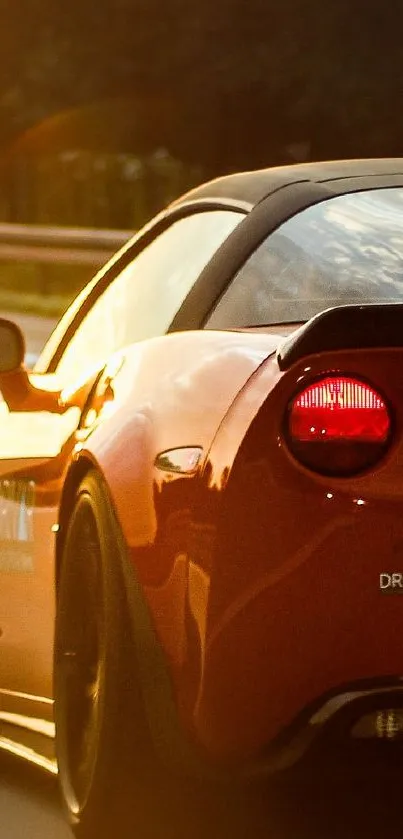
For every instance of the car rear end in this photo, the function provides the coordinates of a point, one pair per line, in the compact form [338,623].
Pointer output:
[305,613]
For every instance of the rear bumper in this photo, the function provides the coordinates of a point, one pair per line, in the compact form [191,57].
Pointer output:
[321,744]
[355,720]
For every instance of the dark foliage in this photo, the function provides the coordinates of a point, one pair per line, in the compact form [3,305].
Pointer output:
[220,84]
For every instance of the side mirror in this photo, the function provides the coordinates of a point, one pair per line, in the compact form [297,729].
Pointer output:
[12,347]
[17,390]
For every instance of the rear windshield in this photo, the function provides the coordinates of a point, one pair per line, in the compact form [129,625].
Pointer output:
[347,249]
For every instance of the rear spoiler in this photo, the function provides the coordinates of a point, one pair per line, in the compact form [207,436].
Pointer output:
[368,326]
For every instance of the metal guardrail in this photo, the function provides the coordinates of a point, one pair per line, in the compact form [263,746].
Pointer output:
[83,246]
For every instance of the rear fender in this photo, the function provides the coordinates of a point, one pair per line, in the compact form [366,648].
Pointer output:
[195,381]
[169,393]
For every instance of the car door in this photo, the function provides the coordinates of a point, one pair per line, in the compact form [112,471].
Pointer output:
[138,304]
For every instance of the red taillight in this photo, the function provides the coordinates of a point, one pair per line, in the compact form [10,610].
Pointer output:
[338,425]
[339,408]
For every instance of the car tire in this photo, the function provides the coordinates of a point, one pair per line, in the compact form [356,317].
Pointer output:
[110,778]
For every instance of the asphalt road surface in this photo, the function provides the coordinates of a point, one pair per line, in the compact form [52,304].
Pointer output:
[353,809]
[29,803]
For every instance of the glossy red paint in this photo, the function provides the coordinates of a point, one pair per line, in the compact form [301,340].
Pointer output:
[255,571]
[181,403]
[255,561]
[318,546]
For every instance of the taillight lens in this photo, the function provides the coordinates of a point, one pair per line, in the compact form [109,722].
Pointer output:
[338,425]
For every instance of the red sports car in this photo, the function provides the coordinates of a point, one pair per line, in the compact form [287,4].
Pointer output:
[201,531]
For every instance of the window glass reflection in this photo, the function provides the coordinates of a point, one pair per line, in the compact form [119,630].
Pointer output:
[348,249]
[143,300]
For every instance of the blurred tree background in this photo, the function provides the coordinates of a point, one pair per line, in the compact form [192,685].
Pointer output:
[110,109]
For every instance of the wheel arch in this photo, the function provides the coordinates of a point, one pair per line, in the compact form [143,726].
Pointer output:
[168,738]
[77,471]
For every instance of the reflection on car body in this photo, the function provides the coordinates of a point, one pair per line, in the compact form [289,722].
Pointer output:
[209,495]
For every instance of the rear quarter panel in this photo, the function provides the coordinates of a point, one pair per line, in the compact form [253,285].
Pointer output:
[168,393]
[262,578]
[295,609]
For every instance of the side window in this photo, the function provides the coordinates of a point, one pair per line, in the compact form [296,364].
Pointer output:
[142,301]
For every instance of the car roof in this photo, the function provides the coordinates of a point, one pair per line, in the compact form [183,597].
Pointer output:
[250,188]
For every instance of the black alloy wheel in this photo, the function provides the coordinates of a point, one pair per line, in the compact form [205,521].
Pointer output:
[111,780]
[108,774]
